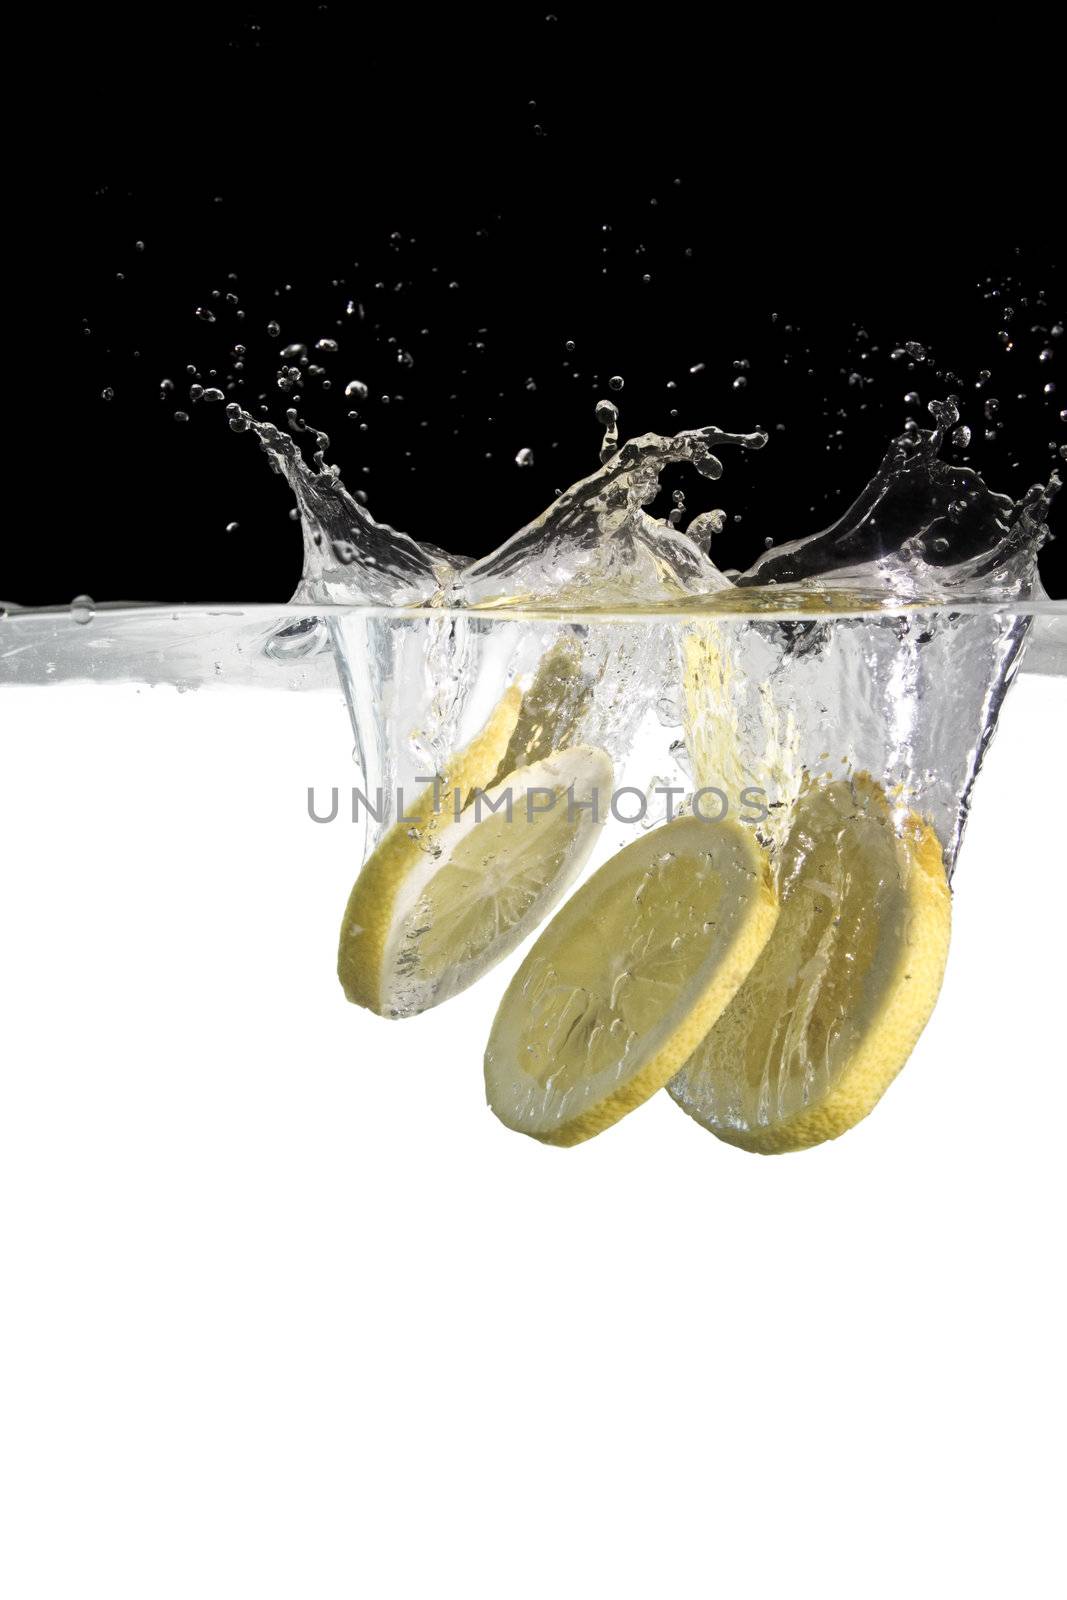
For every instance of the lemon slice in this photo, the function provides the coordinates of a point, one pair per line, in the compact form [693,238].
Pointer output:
[435,908]
[365,925]
[552,708]
[627,978]
[846,983]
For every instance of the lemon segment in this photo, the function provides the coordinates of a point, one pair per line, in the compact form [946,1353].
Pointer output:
[627,979]
[846,983]
[436,907]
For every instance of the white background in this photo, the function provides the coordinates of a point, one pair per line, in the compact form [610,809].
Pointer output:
[287,1313]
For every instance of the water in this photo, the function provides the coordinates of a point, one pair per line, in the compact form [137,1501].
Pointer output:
[884,644]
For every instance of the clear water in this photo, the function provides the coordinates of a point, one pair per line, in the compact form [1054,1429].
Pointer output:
[884,644]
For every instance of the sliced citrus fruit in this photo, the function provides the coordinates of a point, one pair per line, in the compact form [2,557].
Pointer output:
[834,1005]
[434,908]
[627,978]
[552,707]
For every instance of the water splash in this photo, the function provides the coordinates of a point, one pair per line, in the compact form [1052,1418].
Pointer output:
[597,544]
[922,529]
[349,557]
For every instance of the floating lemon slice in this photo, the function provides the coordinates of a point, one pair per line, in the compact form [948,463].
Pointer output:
[442,900]
[627,978]
[833,1007]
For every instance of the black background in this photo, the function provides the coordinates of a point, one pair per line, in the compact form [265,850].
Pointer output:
[486,187]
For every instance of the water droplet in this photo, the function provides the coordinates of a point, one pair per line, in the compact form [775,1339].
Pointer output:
[82,609]
[945,413]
